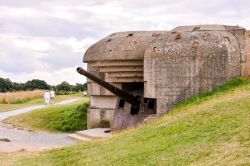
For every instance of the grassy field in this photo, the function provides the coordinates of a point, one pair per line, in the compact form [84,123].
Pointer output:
[59,118]
[213,129]
[39,101]
[20,96]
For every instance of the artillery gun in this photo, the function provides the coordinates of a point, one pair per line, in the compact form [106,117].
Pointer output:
[131,108]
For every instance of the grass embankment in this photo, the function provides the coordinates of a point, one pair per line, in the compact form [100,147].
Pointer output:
[210,130]
[59,118]
[39,101]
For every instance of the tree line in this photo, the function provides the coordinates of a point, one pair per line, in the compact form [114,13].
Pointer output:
[6,85]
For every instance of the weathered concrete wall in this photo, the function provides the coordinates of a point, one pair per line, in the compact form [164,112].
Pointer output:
[100,117]
[246,69]
[186,62]
[105,102]
[102,102]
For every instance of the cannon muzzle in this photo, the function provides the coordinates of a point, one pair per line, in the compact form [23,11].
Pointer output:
[118,92]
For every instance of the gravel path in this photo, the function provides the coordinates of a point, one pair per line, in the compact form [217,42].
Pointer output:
[12,139]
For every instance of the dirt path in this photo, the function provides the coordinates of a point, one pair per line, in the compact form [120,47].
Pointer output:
[12,139]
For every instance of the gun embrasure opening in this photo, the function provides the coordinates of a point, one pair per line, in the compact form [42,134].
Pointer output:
[134,101]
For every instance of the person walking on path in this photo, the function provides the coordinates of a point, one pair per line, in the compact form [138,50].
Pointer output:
[84,93]
[52,96]
[47,97]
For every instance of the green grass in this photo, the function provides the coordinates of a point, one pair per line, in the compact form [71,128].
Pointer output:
[60,118]
[210,130]
[40,101]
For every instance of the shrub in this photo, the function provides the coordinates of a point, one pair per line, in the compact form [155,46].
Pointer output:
[74,120]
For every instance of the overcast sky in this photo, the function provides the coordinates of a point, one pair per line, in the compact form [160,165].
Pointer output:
[46,39]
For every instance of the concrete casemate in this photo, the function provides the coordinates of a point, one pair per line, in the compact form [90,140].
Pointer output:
[162,68]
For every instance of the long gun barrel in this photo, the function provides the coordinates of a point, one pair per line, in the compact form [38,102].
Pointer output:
[118,92]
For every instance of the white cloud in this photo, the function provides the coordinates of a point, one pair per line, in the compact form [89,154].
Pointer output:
[46,54]
[77,45]
[33,44]
[23,12]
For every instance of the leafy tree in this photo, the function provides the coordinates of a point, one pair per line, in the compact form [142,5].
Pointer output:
[52,87]
[80,87]
[5,85]
[36,84]
[64,86]
[18,86]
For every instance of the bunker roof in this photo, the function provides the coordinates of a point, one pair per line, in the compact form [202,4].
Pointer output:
[131,45]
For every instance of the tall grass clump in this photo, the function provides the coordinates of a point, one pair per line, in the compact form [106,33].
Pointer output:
[72,119]
[19,97]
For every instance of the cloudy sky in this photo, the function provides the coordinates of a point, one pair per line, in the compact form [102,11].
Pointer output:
[46,39]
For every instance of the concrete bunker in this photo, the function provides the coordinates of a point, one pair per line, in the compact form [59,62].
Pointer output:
[160,69]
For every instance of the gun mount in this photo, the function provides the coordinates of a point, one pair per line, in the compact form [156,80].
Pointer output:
[118,92]
[129,110]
